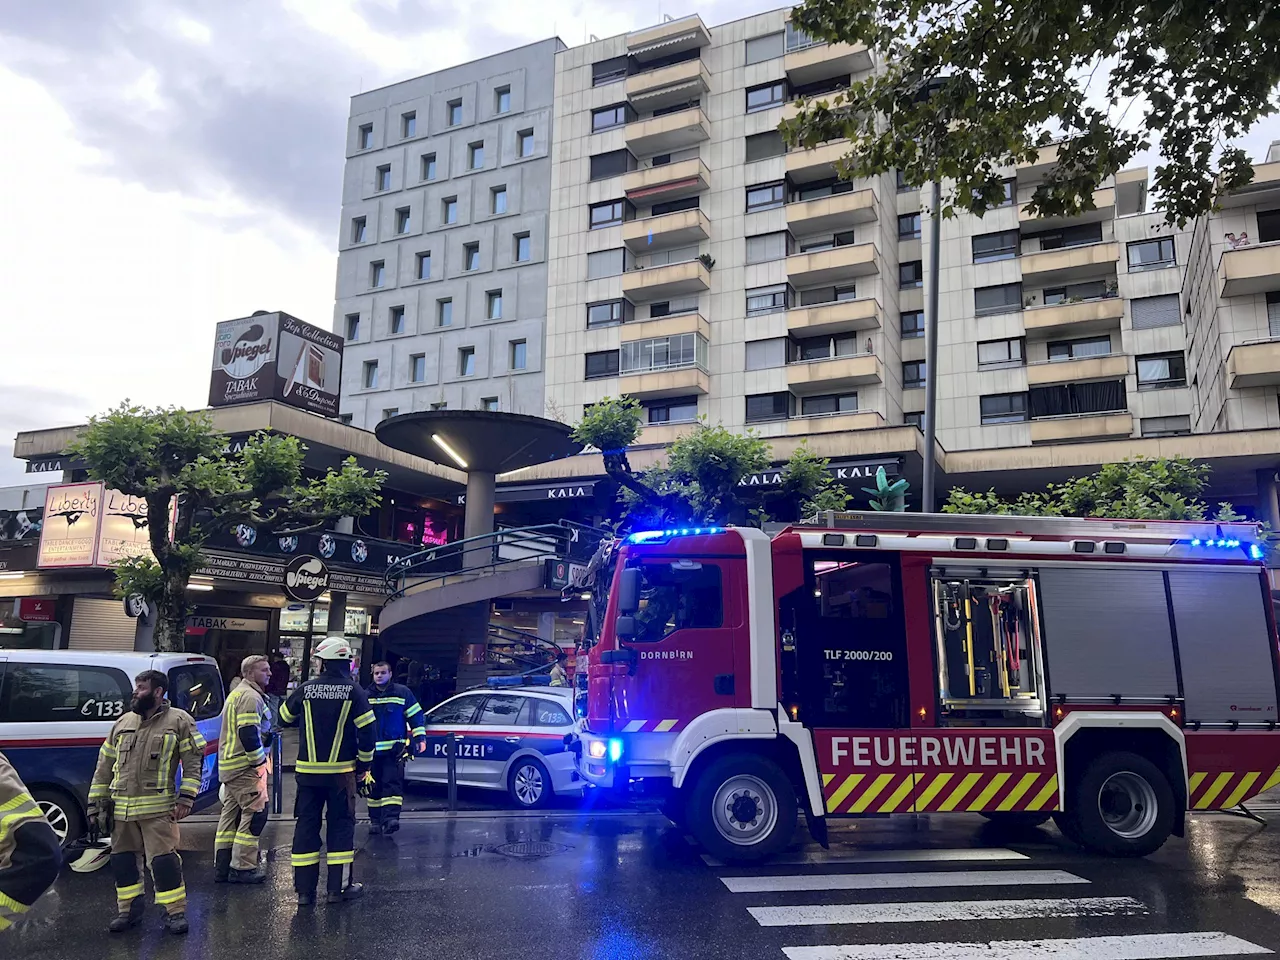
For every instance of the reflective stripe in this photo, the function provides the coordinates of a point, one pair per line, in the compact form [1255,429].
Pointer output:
[364,719]
[247,838]
[19,800]
[346,766]
[342,856]
[171,896]
[305,859]
[11,821]
[311,731]
[99,791]
[414,710]
[387,744]
[108,750]
[419,731]
[338,732]
[386,802]
[8,903]
[168,745]
[129,892]
[286,714]
[380,700]
[364,756]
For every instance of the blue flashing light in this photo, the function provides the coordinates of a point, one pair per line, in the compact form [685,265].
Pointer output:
[1255,551]
[658,536]
[1196,542]
[1229,543]
[615,750]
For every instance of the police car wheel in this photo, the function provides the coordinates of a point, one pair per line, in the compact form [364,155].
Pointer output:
[1122,805]
[742,807]
[62,813]
[529,784]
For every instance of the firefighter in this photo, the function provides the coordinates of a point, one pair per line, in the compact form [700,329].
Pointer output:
[30,855]
[242,769]
[397,710]
[335,752]
[133,799]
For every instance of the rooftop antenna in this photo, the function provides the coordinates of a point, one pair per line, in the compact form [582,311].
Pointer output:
[667,18]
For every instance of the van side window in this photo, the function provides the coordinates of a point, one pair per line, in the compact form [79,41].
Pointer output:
[48,693]
[197,689]
[675,597]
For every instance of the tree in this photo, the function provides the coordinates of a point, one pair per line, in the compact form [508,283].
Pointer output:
[162,453]
[1191,77]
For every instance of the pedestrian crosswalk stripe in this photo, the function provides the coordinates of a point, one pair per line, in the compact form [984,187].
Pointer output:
[946,910]
[899,881]
[959,855]
[1142,946]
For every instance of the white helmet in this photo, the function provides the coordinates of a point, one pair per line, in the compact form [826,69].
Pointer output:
[334,648]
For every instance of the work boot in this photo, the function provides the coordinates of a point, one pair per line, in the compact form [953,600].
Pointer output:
[375,828]
[221,865]
[127,918]
[255,875]
[176,923]
[390,827]
[354,891]
[306,899]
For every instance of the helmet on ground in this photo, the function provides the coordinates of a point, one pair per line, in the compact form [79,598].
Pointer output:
[334,648]
[91,857]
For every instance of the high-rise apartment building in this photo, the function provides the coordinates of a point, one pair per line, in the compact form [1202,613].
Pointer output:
[442,264]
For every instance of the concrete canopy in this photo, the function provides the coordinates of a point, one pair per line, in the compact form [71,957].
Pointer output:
[478,441]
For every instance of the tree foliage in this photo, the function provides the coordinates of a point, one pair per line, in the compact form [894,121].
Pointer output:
[1188,77]
[162,453]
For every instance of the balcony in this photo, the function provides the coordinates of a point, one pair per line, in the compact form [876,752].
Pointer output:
[1090,260]
[664,434]
[842,316]
[834,423]
[1081,427]
[654,89]
[1264,188]
[832,266]
[656,384]
[834,213]
[1104,202]
[833,373]
[1249,270]
[668,327]
[816,164]
[667,181]
[1254,364]
[1110,367]
[808,60]
[671,131]
[1084,317]
[683,228]
[672,36]
[666,281]
[1036,170]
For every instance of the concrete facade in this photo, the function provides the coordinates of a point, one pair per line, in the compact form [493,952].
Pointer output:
[442,266]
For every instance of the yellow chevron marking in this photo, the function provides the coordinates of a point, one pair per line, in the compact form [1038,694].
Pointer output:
[1016,793]
[987,795]
[1272,780]
[1193,784]
[666,725]
[967,784]
[1049,792]
[932,790]
[895,800]
[842,791]
[1239,792]
[827,778]
[873,791]
[1214,789]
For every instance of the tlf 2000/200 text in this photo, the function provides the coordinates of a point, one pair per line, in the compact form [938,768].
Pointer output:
[858,654]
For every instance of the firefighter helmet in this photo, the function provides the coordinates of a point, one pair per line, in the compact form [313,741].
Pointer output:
[334,648]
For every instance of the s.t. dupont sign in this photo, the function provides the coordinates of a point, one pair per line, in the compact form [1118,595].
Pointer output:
[273,356]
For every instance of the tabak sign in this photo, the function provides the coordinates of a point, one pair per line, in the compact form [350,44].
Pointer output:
[273,356]
[89,525]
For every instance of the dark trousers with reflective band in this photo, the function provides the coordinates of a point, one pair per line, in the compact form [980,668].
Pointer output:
[157,839]
[386,798]
[331,797]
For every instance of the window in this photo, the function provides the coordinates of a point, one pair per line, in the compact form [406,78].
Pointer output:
[1149,312]
[365,137]
[1268,226]
[765,48]
[471,256]
[547,713]
[607,71]
[915,419]
[673,599]
[389,412]
[1001,352]
[828,243]
[196,689]
[1008,189]
[444,313]
[396,320]
[489,403]
[1003,407]
[384,177]
[408,124]
[402,220]
[1001,298]
[1077,236]
[912,324]
[450,210]
[45,693]
[1151,254]
[663,353]
[762,300]
[674,206]
[466,361]
[769,406]
[359,229]
[674,410]
[671,308]
[502,100]
[377,273]
[1078,349]
[606,312]
[611,164]
[493,304]
[607,214]
[459,711]
[428,166]
[353,326]
[828,404]
[1061,400]
[910,274]
[912,374]
[761,146]
[818,189]
[823,348]
[602,364]
[1072,292]
[766,354]
[418,367]
[765,97]
[608,117]
[605,263]
[765,196]
[424,265]
[1165,426]
[454,117]
[524,143]
[370,377]
[902,184]
[909,226]
[498,200]
[523,250]
[475,155]
[766,246]
[1159,370]
[1273,315]
[995,246]
[518,355]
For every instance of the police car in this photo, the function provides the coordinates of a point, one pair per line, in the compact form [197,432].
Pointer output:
[507,738]
[57,706]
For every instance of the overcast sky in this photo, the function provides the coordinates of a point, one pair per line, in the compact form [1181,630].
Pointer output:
[170,163]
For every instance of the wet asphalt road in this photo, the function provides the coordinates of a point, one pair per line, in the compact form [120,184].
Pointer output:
[621,886]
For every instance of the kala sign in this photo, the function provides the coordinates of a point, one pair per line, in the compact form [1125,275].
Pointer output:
[842,472]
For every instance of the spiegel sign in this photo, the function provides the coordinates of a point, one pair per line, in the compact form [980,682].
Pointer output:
[273,356]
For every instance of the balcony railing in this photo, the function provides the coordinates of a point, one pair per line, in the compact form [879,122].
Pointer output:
[663,367]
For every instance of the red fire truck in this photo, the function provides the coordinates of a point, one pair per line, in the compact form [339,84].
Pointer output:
[1109,674]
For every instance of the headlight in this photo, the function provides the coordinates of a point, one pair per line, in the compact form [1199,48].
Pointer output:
[596,750]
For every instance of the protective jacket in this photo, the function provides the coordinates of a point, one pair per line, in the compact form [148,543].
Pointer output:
[397,711]
[245,718]
[138,763]
[336,722]
[30,855]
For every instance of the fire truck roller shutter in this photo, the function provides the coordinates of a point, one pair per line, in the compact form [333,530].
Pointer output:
[1106,632]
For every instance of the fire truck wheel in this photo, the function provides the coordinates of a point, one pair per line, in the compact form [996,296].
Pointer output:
[1122,805]
[1016,819]
[743,807]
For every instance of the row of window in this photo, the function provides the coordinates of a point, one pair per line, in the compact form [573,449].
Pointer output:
[453,117]
[443,313]
[646,356]
[428,167]
[762,407]
[448,215]
[517,359]
[521,252]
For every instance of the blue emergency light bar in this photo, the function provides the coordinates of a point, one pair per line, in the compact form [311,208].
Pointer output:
[1228,543]
[659,536]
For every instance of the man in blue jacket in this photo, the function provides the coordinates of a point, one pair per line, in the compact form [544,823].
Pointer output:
[398,716]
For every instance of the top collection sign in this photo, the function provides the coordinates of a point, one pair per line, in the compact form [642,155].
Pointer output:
[273,356]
